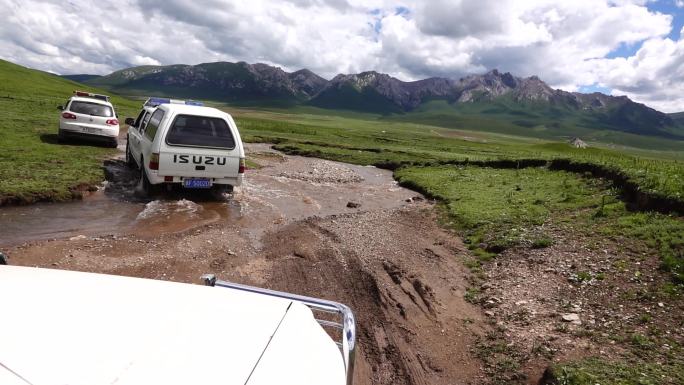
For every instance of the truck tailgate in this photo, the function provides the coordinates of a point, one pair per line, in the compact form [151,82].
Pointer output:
[207,164]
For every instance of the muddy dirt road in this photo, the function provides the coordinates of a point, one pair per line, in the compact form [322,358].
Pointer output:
[288,228]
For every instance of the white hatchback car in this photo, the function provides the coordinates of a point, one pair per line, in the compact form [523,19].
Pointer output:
[89,116]
[188,145]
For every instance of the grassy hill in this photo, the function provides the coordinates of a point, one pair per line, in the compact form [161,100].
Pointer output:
[678,117]
[349,98]
[32,165]
[80,78]
[551,124]
[535,120]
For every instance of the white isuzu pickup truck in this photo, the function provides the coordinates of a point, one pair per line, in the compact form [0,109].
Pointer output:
[185,144]
[66,327]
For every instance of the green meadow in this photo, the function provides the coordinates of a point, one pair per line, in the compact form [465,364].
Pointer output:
[33,166]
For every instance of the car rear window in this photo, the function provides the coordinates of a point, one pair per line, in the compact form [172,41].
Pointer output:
[200,131]
[93,109]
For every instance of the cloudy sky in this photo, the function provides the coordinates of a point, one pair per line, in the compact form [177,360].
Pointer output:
[623,47]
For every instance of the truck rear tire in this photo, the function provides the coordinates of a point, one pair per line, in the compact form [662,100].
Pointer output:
[219,189]
[223,188]
[130,162]
[143,188]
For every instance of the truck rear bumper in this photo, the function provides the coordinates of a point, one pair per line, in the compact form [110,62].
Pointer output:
[159,179]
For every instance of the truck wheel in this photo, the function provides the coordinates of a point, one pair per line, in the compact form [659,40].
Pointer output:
[129,158]
[143,188]
[218,190]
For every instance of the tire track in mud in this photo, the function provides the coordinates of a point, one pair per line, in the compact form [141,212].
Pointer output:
[395,307]
[335,275]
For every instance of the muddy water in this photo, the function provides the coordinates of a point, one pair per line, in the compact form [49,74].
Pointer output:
[286,188]
[114,209]
[100,214]
[44,221]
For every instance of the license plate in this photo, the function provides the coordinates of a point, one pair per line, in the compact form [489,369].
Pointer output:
[90,130]
[196,183]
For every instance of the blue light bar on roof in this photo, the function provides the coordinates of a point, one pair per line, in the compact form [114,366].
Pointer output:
[154,102]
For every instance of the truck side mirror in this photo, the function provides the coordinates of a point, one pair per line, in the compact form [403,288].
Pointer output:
[129,121]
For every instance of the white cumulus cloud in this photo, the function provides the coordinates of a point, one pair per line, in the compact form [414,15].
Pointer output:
[569,44]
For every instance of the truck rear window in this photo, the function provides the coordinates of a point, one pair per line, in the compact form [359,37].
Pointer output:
[200,131]
[93,109]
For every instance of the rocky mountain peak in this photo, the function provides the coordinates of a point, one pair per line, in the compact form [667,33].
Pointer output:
[487,86]
[533,88]
[307,82]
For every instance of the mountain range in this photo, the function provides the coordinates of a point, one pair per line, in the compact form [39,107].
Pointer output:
[524,102]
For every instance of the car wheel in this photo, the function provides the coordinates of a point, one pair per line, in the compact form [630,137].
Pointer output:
[129,158]
[114,143]
[61,138]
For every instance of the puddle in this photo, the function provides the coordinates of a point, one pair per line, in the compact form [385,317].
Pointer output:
[96,214]
[169,216]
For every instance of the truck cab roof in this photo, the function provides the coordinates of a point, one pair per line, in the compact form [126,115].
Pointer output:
[193,110]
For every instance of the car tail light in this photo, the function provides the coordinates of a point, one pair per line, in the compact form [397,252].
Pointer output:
[154,161]
[241,169]
[68,115]
[112,122]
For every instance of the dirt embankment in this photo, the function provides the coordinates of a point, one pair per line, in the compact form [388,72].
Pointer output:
[385,256]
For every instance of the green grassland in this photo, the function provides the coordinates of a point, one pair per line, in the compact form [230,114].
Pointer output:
[596,371]
[32,165]
[376,141]
[495,209]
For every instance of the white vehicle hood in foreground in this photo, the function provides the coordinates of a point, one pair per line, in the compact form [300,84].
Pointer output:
[72,328]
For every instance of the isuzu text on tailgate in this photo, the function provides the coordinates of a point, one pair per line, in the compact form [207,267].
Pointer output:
[199,159]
